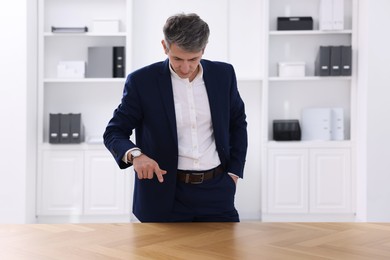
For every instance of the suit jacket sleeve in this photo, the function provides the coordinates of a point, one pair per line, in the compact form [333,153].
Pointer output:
[125,119]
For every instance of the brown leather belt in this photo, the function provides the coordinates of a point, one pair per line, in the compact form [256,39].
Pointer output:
[197,177]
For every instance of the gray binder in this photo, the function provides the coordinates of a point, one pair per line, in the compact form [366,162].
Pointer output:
[346,60]
[54,128]
[64,128]
[335,61]
[100,62]
[322,66]
[75,128]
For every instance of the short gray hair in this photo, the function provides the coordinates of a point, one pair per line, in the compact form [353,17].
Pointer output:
[187,31]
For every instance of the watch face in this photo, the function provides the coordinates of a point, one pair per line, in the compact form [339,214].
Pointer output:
[136,153]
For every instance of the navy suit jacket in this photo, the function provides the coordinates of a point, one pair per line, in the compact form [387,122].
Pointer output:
[147,107]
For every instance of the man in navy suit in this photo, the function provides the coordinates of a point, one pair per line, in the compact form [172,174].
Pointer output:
[190,130]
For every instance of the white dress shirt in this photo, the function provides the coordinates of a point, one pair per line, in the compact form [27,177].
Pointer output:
[197,149]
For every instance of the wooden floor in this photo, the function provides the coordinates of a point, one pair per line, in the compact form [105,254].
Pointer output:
[245,240]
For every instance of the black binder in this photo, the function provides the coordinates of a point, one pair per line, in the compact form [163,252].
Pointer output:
[54,128]
[322,67]
[346,60]
[335,61]
[119,62]
[64,128]
[75,128]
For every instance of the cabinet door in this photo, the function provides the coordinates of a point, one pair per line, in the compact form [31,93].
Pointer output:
[106,185]
[330,181]
[61,183]
[287,181]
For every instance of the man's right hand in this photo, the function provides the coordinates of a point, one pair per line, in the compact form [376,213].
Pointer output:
[146,167]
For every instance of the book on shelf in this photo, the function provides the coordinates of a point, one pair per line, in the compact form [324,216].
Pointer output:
[83,29]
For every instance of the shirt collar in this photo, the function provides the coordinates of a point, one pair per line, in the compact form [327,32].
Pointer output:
[198,76]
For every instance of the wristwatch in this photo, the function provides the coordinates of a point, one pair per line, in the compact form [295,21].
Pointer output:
[134,154]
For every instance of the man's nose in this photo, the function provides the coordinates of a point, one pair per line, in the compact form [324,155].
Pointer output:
[185,67]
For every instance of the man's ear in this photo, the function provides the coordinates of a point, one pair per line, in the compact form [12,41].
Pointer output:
[164,47]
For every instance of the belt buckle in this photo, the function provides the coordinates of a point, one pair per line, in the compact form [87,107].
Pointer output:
[201,179]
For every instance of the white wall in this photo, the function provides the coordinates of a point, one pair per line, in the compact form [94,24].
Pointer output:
[14,191]
[375,93]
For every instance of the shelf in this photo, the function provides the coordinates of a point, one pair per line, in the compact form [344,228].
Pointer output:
[309,78]
[309,144]
[85,80]
[309,32]
[119,34]
[72,147]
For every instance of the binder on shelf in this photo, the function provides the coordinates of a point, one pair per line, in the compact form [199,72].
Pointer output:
[338,14]
[331,15]
[119,62]
[64,128]
[54,128]
[326,15]
[346,60]
[75,128]
[335,61]
[337,124]
[100,62]
[322,63]
[316,124]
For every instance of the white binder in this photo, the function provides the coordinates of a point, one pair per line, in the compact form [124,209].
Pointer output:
[326,15]
[316,124]
[338,14]
[337,131]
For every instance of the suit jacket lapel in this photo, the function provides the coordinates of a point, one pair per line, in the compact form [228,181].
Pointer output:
[212,93]
[166,91]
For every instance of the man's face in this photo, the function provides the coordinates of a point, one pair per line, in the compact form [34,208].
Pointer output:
[184,63]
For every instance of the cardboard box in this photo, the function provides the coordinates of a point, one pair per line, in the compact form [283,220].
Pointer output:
[291,69]
[105,26]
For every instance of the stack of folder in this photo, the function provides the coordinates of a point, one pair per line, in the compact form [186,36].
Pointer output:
[334,61]
[65,128]
[106,62]
[331,15]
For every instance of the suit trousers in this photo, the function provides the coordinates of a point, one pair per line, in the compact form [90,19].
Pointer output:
[210,201]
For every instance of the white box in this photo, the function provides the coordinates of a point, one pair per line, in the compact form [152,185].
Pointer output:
[71,69]
[105,26]
[291,69]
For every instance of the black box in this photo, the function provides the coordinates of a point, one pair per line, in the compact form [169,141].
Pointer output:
[295,23]
[286,130]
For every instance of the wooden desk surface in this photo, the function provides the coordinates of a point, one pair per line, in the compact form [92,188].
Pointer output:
[245,240]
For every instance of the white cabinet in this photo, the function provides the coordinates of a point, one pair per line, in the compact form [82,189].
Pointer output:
[106,186]
[330,181]
[60,184]
[309,182]
[288,181]
[82,184]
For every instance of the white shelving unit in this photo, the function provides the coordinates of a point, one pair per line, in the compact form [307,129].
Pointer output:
[307,180]
[79,182]
[72,178]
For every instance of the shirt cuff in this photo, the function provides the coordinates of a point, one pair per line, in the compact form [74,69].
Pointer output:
[124,158]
